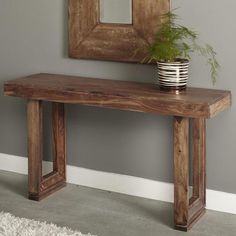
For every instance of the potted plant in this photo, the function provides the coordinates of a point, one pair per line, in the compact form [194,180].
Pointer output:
[171,50]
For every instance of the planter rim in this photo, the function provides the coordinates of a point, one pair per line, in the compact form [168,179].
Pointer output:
[176,62]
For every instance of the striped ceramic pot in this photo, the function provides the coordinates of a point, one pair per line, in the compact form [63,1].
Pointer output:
[173,75]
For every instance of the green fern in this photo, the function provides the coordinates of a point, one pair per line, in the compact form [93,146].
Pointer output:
[174,41]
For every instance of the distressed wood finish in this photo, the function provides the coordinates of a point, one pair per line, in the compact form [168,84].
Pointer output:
[91,39]
[195,103]
[59,146]
[35,147]
[181,170]
[188,210]
[124,95]
[41,186]
[199,159]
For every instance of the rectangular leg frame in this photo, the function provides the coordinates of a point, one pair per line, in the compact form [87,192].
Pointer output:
[188,210]
[41,186]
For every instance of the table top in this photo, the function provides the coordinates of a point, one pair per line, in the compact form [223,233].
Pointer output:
[123,95]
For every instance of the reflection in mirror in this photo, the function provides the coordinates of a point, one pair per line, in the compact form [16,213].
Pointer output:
[116,11]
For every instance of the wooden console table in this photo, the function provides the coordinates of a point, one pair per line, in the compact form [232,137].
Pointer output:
[195,103]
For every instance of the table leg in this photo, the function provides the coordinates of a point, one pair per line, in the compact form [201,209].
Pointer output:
[188,210]
[41,186]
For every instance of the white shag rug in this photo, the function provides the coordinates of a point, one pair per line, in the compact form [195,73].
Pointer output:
[15,226]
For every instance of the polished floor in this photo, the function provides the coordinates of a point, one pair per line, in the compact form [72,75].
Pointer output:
[104,213]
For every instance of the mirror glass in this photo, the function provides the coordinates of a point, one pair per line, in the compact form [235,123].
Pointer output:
[116,11]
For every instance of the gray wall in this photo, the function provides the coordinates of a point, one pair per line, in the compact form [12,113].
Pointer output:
[33,38]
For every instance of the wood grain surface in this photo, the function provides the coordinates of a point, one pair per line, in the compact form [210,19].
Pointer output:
[181,171]
[124,95]
[91,39]
[195,103]
[41,186]
[187,210]
[199,159]
[35,146]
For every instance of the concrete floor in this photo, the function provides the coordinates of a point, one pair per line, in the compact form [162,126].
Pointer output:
[104,213]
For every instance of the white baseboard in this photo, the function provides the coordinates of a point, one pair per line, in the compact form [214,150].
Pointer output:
[134,186]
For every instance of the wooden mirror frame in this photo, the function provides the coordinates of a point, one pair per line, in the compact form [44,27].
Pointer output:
[91,39]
